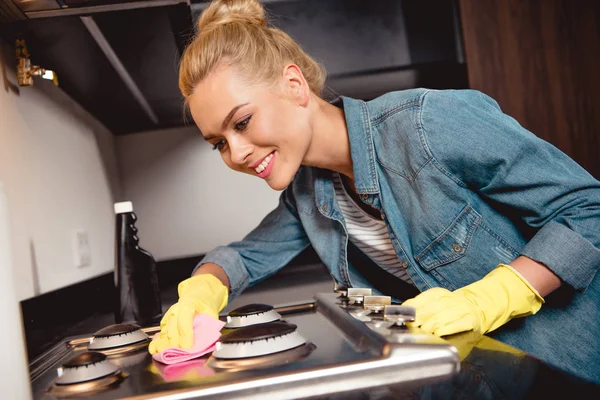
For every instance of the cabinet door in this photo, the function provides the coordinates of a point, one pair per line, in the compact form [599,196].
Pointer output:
[539,60]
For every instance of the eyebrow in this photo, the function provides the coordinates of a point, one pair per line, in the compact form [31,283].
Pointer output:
[227,119]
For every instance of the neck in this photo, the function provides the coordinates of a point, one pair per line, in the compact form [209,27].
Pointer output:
[330,146]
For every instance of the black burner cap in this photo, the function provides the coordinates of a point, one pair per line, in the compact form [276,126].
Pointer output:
[83,359]
[250,309]
[258,332]
[117,329]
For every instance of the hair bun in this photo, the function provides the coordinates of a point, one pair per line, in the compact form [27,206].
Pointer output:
[227,11]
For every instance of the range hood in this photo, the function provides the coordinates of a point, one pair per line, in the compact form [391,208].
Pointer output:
[55,8]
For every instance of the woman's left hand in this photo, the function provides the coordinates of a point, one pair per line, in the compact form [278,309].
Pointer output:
[480,307]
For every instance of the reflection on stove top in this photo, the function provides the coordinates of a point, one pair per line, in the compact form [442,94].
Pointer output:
[187,370]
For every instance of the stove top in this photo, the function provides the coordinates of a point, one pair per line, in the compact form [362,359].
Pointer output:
[340,342]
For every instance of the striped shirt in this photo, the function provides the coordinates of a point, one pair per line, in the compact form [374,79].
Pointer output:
[369,234]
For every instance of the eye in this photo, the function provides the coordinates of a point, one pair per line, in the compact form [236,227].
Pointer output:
[220,145]
[242,125]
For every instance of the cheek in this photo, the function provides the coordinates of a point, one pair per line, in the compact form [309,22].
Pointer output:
[277,126]
[264,132]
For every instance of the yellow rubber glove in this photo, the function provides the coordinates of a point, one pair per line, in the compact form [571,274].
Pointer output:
[481,307]
[200,294]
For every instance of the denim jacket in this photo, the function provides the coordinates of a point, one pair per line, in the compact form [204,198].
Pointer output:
[462,187]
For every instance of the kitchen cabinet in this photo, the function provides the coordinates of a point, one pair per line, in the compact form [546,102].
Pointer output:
[540,61]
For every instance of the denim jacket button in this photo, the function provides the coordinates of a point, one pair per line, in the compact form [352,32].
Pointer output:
[325,208]
[404,264]
[457,248]
[364,196]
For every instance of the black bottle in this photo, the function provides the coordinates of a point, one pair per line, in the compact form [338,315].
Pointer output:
[136,281]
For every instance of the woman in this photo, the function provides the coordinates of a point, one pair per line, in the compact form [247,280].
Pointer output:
[439,188]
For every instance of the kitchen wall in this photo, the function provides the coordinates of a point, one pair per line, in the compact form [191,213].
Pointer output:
[187,200]
[59,169]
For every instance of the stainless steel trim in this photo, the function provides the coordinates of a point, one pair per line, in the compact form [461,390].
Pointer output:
[325,381]
[117,6]
[97,34]
[359,334]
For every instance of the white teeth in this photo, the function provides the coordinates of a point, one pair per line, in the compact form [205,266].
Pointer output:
[264,164]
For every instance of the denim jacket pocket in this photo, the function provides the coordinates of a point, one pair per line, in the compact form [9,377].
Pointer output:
[453,243]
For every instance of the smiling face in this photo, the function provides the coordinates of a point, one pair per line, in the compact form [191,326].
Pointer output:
[262,129]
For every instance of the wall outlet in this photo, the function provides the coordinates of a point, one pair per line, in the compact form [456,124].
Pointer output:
[82,256]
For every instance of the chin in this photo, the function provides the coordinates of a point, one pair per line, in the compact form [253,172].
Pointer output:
[280,181]
[278,184]
[282,175]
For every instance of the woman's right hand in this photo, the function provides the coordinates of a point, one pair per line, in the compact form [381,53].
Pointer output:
[200,294]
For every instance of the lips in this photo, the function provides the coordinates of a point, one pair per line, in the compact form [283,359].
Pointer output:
[256,164]
[264,169]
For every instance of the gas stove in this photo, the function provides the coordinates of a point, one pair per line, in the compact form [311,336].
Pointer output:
[346,341]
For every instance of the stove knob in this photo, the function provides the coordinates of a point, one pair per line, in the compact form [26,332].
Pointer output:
[376,303]
[399,315]
[356,295]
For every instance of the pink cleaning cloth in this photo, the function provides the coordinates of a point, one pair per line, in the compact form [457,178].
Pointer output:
[207,331]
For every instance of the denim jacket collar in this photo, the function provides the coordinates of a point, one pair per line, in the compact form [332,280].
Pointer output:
[361,149]
[361,146]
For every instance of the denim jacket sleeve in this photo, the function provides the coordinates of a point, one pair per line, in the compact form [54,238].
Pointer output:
[270,246]
[478,146]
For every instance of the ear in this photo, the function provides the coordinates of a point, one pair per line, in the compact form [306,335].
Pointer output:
[295,85]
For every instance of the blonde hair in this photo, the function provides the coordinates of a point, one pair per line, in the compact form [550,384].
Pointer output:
[237,32]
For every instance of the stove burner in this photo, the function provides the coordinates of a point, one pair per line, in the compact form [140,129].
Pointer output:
[85,367]
[119,339]
[251,314]
[258,340]
[269,360]
[89,371]
[117,329]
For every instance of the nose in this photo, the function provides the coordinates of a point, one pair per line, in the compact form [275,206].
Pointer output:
[240,151]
